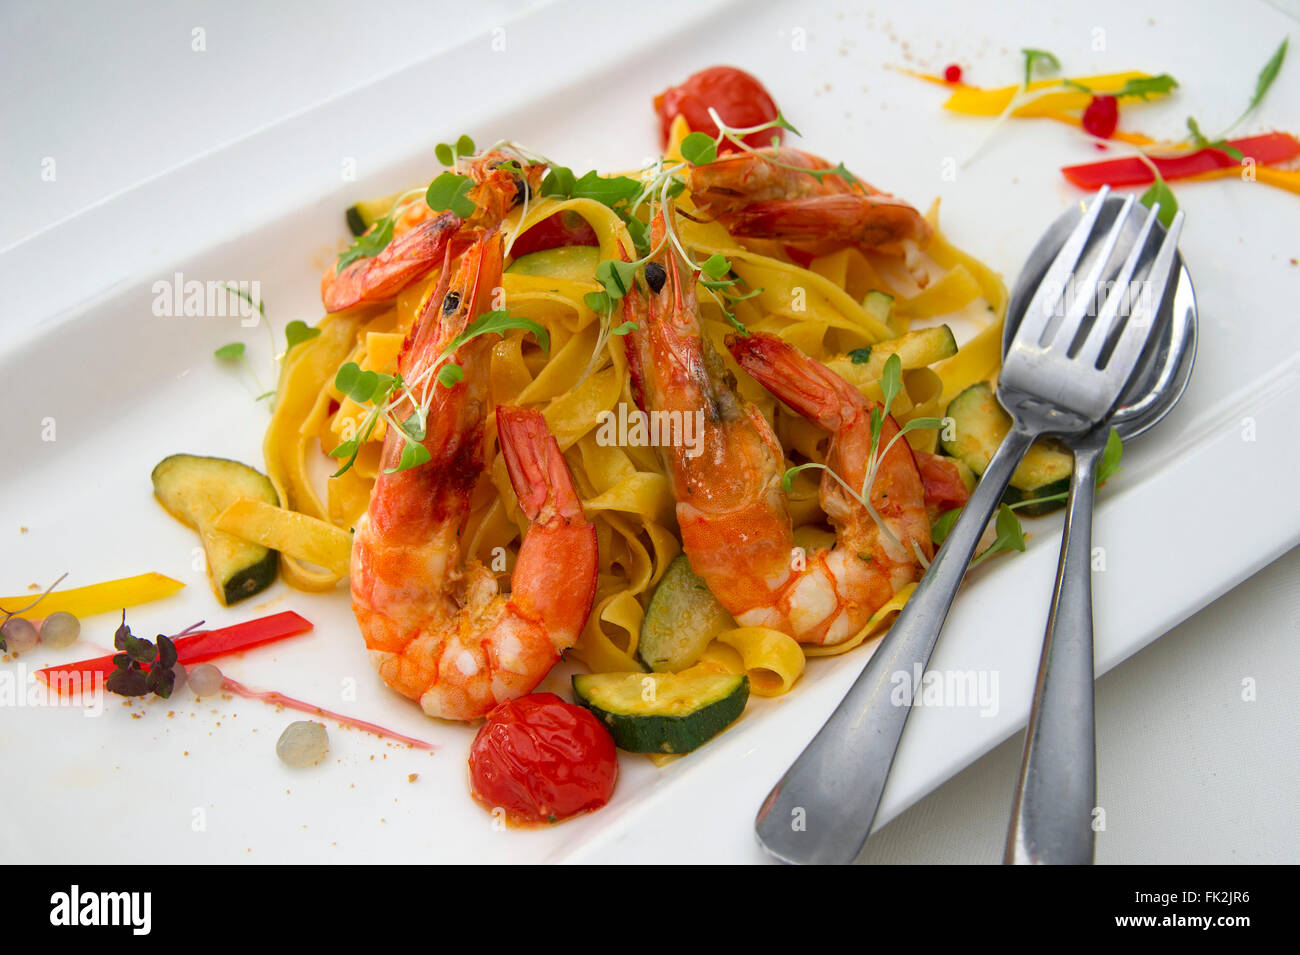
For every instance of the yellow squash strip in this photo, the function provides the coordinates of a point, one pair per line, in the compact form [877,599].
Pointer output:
[97,598]
[973,101]
[290,532]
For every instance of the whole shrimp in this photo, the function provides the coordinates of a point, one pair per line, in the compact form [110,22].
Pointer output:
[731,509]
[422,237]
[438,631]
[767,194]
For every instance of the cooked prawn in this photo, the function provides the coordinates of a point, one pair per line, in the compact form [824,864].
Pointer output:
[731,509]
[755,197]
[422,237]
[438,630]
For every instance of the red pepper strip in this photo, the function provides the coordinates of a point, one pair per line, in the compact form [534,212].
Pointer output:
[1266,150]
[198,648]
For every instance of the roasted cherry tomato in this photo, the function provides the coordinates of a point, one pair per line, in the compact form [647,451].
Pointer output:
[739,99]
[944,488]
[553,232]
[542,760]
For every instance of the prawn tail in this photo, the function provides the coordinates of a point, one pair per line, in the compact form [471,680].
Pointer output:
[555,576]
[807,386]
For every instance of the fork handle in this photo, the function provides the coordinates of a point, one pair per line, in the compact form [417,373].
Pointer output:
[1051,816]
[823,808]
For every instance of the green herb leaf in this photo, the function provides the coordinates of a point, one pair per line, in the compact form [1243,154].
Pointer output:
[715,266]
[625,328]
[297,332]
[445,154]
[1010,535]
[608,190]
[347,376]
[465,146]
[500,322]
[640,234]
[616,276]
[784,123]
[1268,74]
[369,245]
[921,424]
[1110,457]
[451,191]
[231,351]
[943,525]
[348,448]
[598,302]
[1138,88]
[413,428]
[891,379]
[699,149]
[450,374]
[413,455]
[1034,57]
[1161,193]
[787,479]
[559,181]
[860,356]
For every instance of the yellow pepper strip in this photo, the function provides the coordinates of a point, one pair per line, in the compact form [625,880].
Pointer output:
[290,532]
[97,598]
[973,101]
[1288,179]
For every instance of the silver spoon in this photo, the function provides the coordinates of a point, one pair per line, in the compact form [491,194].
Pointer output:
[1051,820]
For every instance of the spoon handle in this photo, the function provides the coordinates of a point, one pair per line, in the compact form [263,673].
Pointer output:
[1051,817]
[822,809]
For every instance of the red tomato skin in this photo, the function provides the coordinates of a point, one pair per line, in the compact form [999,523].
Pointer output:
[944,488]
[740,99]
[553,232]
[542,760]
[953,73]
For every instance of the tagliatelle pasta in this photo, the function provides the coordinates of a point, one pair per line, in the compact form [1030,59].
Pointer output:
[582,380]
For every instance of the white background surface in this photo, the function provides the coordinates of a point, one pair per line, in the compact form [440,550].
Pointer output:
[1188,771]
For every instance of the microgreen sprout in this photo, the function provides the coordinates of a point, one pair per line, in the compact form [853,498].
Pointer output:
[891,384]
[387,394]
[295,333]
[129,678]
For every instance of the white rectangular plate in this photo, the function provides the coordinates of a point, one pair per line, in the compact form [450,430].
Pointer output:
[1203,501]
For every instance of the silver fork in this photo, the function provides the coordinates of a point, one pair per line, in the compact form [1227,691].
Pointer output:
[823,808]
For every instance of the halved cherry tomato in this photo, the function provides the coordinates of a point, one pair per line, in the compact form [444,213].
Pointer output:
[542,760]
[944,488]
[553,232]
[739,99]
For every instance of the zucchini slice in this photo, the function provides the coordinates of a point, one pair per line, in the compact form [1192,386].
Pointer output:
[914,350]
[663,712]
[195,490]
[681,620]
[574,262]
[980,424]
[362,215]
